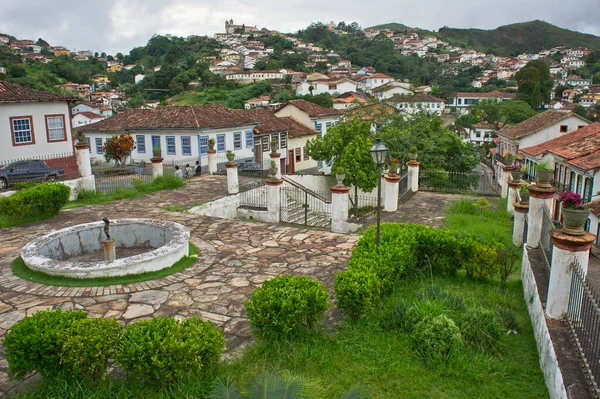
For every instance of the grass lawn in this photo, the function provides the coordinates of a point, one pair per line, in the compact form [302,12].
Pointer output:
[20,269]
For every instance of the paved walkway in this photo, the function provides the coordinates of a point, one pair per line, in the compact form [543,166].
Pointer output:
[236,258]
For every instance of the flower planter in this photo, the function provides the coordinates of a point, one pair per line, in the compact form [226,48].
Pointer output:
[273,172]
[524,198]
[340,180]
[393,170]
[574,221]
[230,157]
[544,178]
[413,157]
[516,175]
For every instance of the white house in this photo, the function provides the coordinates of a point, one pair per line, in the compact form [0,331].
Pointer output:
[86,107]
[254,76]
[330,86]
[480,133]
[392,89]
[418,103]
[138,78]
[85,118]
[370,82]
[35,124]
[462,101]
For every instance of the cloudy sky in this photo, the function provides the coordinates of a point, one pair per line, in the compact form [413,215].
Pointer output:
[120,25]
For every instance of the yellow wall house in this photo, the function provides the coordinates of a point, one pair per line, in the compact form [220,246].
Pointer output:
[100,78]
[114,68]
[61,51]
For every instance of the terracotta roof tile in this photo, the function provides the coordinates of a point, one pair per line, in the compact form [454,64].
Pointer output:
[425,98]
[491,94]
[312,109]
[91,115]
[563,141]
[535,124]
[369,112]
[13,93]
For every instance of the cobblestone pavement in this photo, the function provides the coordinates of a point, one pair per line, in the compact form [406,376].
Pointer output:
[236,257]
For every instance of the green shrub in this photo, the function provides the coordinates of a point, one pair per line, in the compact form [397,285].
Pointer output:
[88,345]
[23,185]
[436,337]
[286,306]
[34,344]
[449,299]
[167,182]
[356,292]
[483,262]
[163,349]
[39,202]
[480,328]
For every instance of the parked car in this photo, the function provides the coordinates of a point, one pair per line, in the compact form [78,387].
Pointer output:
[250,167]
[33,170]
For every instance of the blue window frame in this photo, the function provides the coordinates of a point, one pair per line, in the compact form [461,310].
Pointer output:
[249,138]
[22,130]
[99,149]
[186,145]
[203,145]
[220,143]
[140,142]
[89,143]
[318,126]
[171,145]
[237,140]
[327,125]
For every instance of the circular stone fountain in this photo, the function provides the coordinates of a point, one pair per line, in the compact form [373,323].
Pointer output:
[142,245]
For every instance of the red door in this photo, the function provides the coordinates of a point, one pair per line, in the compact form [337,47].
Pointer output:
[290,169]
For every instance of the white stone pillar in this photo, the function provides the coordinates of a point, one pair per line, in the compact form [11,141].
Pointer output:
[275,157]
[212,162]
[513,187]
[539,197]
[233,184]
[566,249]
[521,211]
[390,203]
[413,175]
[504,182]
[83,160]
[339,209]
[273,200]
[157,167]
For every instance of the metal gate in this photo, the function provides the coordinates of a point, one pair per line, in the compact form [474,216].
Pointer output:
[458,182]
[305,207]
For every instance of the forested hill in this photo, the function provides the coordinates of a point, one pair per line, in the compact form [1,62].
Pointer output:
[526,37]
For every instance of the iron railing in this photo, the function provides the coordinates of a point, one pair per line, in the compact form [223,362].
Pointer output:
[254,195]
[60,166]
[403,186]
[545,239]
[246,165]
[458,182]
[366,206]
[583,319]
[302,206]
[109,179]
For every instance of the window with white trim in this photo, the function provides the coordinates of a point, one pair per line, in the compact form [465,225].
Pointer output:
[203,143]
[171,145]
[282,140]
[140,143]
[318,126]
[99,149]
[56,127]
[237,140]
[265,143]
[220,143]
[275,138]
[22,130]
[249,138]
[186,145]
[298,157]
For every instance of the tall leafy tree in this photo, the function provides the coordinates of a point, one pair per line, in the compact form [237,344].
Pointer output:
[500,114]
[347,146]
[535,83]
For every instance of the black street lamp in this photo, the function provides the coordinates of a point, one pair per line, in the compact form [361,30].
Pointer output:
[379,152]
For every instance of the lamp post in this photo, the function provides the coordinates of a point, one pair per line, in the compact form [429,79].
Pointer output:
[379,152]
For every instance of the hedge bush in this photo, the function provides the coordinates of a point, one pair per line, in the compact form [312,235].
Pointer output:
[436,337]
[357,292]
[286,306]
[34,344]
[87,346]
[39,202]
[163,349]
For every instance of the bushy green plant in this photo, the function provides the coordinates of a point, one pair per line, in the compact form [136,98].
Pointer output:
[167,182]
[480,328]
[483,262]
[509,319]
[39,202]
[357,292]
[544,167]
[34,344]
[436,337]
[286,306]
[23,185]
[164,349]
[88,345]
[448,299]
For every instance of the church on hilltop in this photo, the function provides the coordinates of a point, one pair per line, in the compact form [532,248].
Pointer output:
[230,28]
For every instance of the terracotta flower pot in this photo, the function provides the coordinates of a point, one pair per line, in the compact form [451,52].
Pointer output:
[574,221]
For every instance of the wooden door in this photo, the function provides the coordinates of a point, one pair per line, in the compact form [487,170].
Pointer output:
[291,169]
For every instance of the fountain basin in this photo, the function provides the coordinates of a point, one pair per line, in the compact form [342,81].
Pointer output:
[147,244]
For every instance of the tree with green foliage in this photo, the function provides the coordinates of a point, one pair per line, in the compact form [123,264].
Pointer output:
[347,146]
[118,148]
[500,114]
[42,43]
[535,83]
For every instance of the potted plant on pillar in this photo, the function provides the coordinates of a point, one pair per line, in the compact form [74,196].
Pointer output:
[273,169]
[80,137]
[544,173]
[156,153]
[230,156]
[516,171]
[509,159]
[274,146]
[574,213]
[524,194]
[340,175]
[211,143]
[393,164]
[412,153]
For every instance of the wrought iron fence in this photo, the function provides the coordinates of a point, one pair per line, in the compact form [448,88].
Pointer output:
[362,207]
[62,166]
[545,239]
[254,195]
[246,165]
[458,182]
[306,207]
[109,179]
[403,186]
[187,165]
[583,319]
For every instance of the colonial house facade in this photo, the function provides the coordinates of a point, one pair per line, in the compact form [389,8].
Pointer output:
[329,86]
[536,130]
[392,89]
[35,124]
[419,103]
[462,101]
[480,133]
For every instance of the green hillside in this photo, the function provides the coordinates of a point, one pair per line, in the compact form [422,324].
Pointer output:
[526,37]
[391,26]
